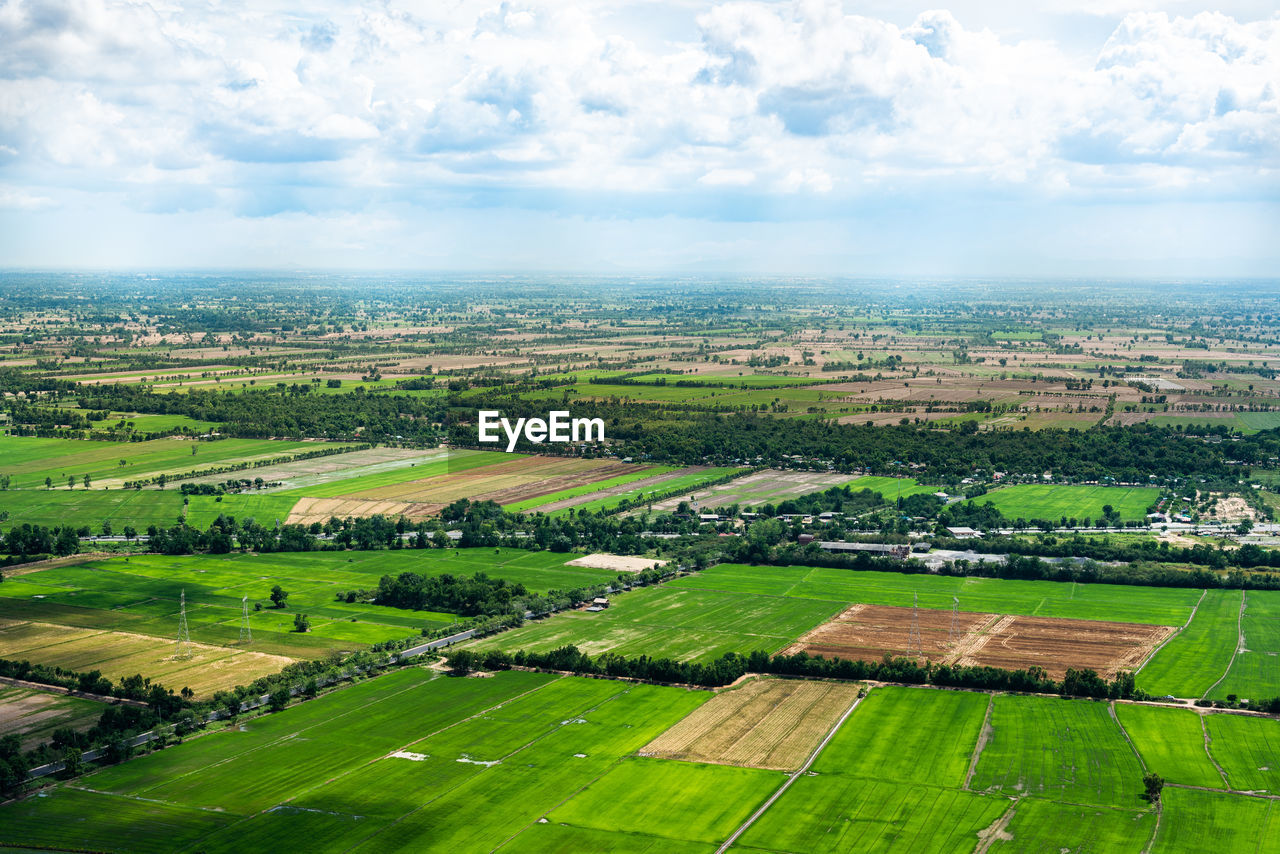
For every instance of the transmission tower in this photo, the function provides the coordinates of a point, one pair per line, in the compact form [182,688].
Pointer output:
[953,637]
[913,642]
[184,636]
[246,633]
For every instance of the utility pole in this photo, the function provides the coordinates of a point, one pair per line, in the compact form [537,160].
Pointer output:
[184,636]
[246,633]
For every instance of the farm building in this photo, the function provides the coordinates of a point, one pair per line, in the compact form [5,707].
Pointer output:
[963,533]
[598,604]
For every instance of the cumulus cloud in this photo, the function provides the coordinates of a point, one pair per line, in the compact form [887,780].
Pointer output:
[179,107]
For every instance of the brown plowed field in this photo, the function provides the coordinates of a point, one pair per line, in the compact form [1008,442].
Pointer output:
[766,723]
[867,632]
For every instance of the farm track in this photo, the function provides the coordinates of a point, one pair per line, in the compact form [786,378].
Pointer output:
[1244,598]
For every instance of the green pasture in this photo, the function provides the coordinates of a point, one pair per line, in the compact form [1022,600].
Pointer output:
[140,593]
[1166,606]
[1066,750]
[1198,656]
[1255,673]
[682,624]
[1052,502]
[1171,743]
[139,508]
[892,488]
[1192,820]
[1040,825]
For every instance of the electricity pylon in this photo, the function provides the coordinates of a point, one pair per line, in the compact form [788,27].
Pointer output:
[184,636]
[246,633]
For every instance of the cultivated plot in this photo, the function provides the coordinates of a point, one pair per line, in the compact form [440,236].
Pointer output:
[765,723]
[1192,662]
[769,486]
[868,632]
[1051,502]
[33,715]
[1172,742]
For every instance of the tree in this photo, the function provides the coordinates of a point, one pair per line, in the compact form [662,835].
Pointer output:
[301,623]
[278,596]
[130,532]
[462,662]
[279,699]
[1153,783]
[48,483]
[106,527]
[4,482]
[87,480]
[71,482]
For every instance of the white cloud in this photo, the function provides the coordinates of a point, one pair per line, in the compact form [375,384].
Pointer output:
[254,111]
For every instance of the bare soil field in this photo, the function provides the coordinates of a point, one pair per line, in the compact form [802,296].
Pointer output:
[766,486]
[764,723]
[643,484]
[868,632]
[309,510]
[617,563]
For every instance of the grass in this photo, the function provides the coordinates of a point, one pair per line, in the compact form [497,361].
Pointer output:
[1198,656]
[1060,749]
[892,488]
[684,483]
[662,622]
[848,814]
[120,614]
[266,509]
[908,735]
[1255,673]
[681,800]
[1152,605]
[1171,743]
[587,488]
[1248,749]
[136,507]
[1040,825]
[1052,502]
[1208,821]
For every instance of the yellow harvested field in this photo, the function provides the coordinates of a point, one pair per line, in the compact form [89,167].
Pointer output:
[120,654]
[765,723]
[504,483]
[309,510]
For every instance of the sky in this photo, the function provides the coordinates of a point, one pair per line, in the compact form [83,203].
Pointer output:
[1101,138]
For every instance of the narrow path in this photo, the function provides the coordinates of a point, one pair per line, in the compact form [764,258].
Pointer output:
[1204,727]
[791,779]
[1244,598]
[984,736]
[996,831]
[1111,707]
[1161,645]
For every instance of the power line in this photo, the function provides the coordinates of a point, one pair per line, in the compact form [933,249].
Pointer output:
[184,636]
[246,633]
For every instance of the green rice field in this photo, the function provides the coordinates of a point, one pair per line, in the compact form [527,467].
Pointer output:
[1053,502]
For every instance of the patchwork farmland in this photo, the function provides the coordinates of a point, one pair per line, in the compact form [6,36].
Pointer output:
[523,762]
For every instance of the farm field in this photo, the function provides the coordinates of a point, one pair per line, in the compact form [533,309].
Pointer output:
[769,486]
[1059,749]
[689,481]
[310,475]
[565,497]
[1246,747]
[1164,606]
[412,760]
[1256,669]
[138,508]
[1209,821]
[1171,742]
[33,715]
[665,622]
[1199,655]
[118,654]
[766,723]
[868,632]
[120,615]
[892,488]
[1052,502]
[30,460]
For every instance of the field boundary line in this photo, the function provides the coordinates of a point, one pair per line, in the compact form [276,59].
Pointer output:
[990,834]
[1204,728]
[1111,708]
[1244,598]
[984,736]
[781,790]
[1163,643]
